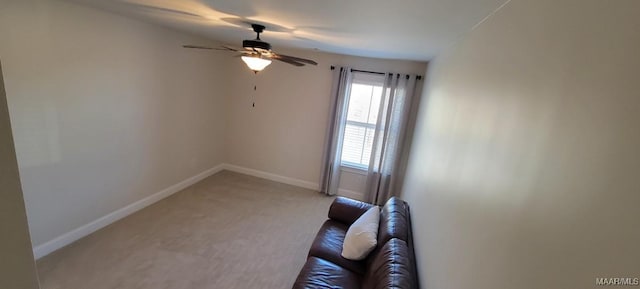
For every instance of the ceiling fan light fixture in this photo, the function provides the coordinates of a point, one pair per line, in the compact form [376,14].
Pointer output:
[256,63]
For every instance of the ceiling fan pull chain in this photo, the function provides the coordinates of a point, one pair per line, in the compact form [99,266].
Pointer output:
[255,88]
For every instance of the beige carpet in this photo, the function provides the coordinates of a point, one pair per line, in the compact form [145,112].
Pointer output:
[227,231]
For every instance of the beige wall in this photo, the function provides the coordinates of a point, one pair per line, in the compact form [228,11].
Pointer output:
[17,268]
[525,168]
[284,133]
[105,110]
[353,183]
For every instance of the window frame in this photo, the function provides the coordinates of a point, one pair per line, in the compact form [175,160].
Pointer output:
[369,80]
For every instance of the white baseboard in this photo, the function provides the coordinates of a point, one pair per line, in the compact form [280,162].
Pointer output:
[272,177]
[289,181]
[351,194]
[69,237]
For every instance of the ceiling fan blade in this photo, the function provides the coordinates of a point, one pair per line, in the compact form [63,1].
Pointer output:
[287,60]
[293,58]
[200,47]
[225,48]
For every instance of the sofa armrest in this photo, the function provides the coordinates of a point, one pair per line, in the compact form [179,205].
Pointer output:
[347,210]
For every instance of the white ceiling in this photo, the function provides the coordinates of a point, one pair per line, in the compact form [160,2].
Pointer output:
[400,29]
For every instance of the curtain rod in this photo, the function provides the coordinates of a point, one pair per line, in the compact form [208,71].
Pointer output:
[418,77]
[366,71]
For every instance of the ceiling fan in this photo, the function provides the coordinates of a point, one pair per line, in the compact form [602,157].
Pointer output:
[257,54]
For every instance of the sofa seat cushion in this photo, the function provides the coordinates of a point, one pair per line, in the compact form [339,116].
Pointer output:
[319,273]
[391,268]
[328,245]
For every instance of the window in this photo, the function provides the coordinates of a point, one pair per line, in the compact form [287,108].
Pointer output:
[362,117]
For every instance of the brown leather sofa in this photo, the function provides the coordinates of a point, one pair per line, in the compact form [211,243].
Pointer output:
[390,265]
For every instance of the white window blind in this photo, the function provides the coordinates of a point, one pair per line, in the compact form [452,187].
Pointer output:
[362,117]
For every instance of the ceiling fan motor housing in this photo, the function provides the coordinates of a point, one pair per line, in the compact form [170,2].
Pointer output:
[256,45]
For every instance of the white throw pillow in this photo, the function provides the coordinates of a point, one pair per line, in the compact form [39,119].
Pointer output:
[362,236]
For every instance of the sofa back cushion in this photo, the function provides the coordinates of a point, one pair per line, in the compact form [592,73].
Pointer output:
[394,222]
[391,267]
[347,210]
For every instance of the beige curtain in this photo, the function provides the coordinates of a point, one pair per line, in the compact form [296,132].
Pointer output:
[392,137]
[330,178]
